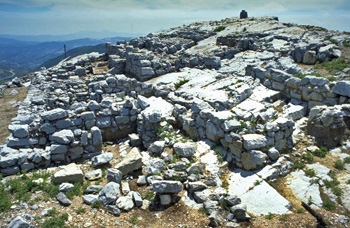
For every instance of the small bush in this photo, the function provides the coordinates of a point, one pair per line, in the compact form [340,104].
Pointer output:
[320,152]
[56,221]
[80,210]
[96,204]
[308,157]
[328,205]
[204,211]
[337,191]
[339,165]
[75,191]
[310,172]
[283,218]
[347,160]
[219,155]
[298,165]
[149,195]
[300,210]
[269,216]
[133,220]
[219,28]
[5,202]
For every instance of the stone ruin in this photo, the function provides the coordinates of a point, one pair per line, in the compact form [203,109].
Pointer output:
[233,93]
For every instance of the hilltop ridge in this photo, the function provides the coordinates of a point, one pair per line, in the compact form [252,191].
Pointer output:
[219,123]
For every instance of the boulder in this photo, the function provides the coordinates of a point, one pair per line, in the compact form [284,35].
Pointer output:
[114,175]
[185,149]
[93,189]
[65,187]
[125,203]
[94,175]
[310,57]
[165,186]
[156,147]
[109,193]
[253,159]
[102,159]
[239,212]
[131,162]
[154,166]
[70,173]
[63,199]
[113,209]
[90,199]
[19,222]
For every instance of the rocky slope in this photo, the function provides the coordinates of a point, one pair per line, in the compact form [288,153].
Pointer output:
[212,116]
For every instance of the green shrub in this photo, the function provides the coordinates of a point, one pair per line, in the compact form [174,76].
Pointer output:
[96,204]
[347,160]
[337,191]
[334,66]
[298,165]
[308,157]
[133,220]
[80,210]
[269,216]
[5,202]
[149,195]
[219,155]
[328,205]
[56,221]
[310,172]
[339,165]
[204,211]
[75,191]
[321,152]
[283,218]
[219,28]
[300,210]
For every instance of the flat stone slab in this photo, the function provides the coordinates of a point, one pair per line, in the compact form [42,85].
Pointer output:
[258,195]
[300,184]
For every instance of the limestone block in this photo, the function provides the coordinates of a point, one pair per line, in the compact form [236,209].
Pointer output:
[19,131]
[253,159]
[310,57]
[165,186]
[70,173]
[132,161]
[54,114]
[254,141]
[185,149]
[342,88]
[102,159]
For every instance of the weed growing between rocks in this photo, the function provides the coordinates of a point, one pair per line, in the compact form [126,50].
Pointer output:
[56,220]
[180,83]
[321,152]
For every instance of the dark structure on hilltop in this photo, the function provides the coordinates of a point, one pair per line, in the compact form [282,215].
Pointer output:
[243,14]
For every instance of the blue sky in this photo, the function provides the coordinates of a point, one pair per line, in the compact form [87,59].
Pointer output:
[140,17]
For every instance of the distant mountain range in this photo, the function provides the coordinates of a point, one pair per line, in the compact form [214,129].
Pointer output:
[72,36]
[19,57]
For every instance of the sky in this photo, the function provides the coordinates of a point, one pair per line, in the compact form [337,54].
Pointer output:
[140,17]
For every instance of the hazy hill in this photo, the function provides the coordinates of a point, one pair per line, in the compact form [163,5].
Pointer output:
[20,57]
